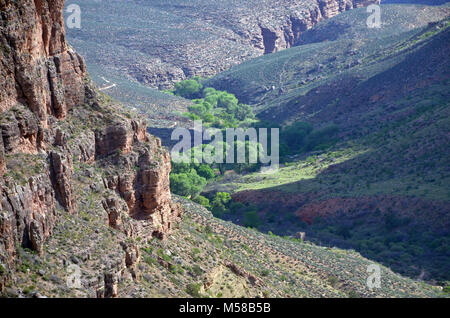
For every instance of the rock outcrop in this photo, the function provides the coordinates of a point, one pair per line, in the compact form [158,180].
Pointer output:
[281,31]
[38,68]
[146,191]
[53,120]
[62,172]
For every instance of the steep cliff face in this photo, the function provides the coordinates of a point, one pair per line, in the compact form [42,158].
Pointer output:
[53,120]
[284,31]
[38,68]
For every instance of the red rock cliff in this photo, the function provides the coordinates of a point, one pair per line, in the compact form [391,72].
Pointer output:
[51,117]
[38,68]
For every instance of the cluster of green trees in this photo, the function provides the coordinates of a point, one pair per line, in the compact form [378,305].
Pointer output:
[189,179]
[221,110]
[223,206]
[190,89]
[301,137]
[215,108]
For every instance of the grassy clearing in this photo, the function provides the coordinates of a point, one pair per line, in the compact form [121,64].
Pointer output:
[288,174]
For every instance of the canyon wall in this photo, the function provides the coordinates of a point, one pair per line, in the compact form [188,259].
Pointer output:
[276,31]
[53,120]
[201,38]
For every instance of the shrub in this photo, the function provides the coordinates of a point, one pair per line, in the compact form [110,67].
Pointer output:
[164,256]
[202,201]
[197,270]
[265,272]
[220,202]
[446,288]
[187,184]
[208,229]
[294,135]
[206,172]
[251,219]
[188,89]
[193,289]
[321,138]
[333,280]
[301,137]
[223,197]
[236,207]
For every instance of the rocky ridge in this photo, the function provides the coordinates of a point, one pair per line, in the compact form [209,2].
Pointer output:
[191,38]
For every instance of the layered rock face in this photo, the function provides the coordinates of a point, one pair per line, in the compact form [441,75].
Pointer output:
[41,79]
[53,119]
[281,29]
[38,68]
[144,187]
